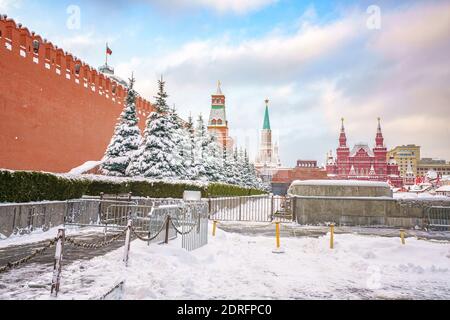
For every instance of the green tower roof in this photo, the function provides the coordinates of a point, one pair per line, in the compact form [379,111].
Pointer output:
[266,118]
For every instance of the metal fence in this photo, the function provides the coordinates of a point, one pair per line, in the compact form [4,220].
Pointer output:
[438,218]
[190,220]
[194,225]
[92,212]
[253,208]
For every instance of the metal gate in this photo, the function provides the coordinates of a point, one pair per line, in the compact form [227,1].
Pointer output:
[162,220]
[438,218]
[253,208]
[194,225]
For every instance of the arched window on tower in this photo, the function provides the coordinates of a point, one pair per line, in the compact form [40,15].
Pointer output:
[219,122]
[214,122]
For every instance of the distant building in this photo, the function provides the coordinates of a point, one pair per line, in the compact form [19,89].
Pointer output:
[441,167]
[268,161]
[108,71]
[408,157]
[409,178]
[305,170]
[443,191]
[362,162]
[307,164]
[218,123]
[404,156]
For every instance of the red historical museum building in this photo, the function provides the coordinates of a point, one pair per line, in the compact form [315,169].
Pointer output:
[363,163]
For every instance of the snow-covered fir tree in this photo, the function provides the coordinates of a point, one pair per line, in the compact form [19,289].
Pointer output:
[214,160]
[200,147]
[229,167]
[187,146]
[248,176]
[238,168]
[126,138]
[156,157]
[179,135]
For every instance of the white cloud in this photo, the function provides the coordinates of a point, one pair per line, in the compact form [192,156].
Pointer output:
[237,6]
[319,74]
[220,6]
[6,5]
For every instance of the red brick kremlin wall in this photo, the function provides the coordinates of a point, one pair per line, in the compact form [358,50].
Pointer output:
[56,112]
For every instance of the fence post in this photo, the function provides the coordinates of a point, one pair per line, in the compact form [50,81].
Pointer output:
[278,249]
[57,267]
[127,241]
[209,206]
[100,215]
[278,234]
[332,236]
[214,228]
[271,206]
[402,235]
[166,241]
[240,208]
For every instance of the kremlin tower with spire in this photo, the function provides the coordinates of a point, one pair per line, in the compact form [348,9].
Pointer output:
[218,123]
[267,162]
[363,163]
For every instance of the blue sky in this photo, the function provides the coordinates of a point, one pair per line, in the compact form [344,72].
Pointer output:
[317,61]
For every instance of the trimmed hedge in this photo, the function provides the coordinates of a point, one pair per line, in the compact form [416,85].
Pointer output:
[24,186]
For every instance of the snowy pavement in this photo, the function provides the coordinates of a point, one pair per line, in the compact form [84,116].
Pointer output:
[236,266]
[296,230]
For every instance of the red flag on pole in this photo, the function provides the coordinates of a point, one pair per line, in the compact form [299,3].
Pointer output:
[108,50]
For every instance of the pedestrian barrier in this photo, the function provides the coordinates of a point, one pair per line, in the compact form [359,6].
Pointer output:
[253,208]
[438,218]
[189,220]
[115,293]
[332,236]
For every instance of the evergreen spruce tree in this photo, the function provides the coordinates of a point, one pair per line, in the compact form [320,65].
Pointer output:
[126,138]
[155,157]
[214,160]
[200,149]
[178,135]
[229,166]
[248,176]
[237,168]
[189,150]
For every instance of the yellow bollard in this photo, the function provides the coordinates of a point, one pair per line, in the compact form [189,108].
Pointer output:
[332,236]
[214,228]
[402,236]
[278,235]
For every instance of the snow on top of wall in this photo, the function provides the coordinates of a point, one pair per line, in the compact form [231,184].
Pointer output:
[443,189]
[341,183]
[418,196]
[89,165]
[93,177]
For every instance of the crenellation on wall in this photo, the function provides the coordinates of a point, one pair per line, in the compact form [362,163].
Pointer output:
[19,40]
[53,121]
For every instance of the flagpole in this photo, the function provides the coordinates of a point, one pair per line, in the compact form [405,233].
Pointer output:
[106,53]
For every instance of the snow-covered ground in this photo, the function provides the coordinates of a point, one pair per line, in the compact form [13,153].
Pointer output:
[41,235]
[234,266]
